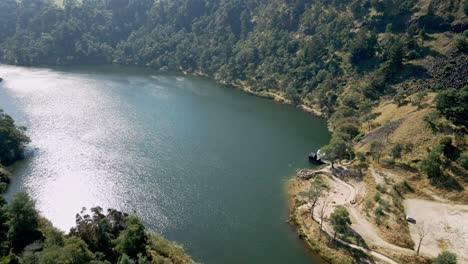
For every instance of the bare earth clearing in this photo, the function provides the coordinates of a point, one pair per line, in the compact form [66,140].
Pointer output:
[446,225]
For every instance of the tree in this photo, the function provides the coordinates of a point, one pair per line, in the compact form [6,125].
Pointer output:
[431,165]
[452,105]
[463,160]
[422,232]
[132,240]
[336,149]
[446,257]
[399,98]
[396,151]
[418,99]
[315,192]
[340,220]
[12,140]
[23,223]
[376,148]
[75,250]
[322,214]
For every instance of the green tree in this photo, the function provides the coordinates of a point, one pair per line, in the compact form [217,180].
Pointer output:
[376,148]
[23,222]
[12,140]
[340,220]
[75,250]
[131,241]
[446,257]
[452,104]
[419,99]
[396,151]
[463,160]
[336,149]
[431,165]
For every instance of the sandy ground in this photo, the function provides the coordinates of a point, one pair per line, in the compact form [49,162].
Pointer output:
[446,225]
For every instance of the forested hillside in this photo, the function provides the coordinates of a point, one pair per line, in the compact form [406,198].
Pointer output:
[304,48]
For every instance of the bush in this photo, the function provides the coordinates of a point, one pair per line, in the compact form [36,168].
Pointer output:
[431,165]
[379,211]
[446,257]
[408,186]
[380,188]
[448,149]
[396,151]
[377,196]
[452,105]
[388,162]
[461,43]
[463,160]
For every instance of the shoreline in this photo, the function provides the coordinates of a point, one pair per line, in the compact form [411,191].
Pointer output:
[273,95]
[268,94]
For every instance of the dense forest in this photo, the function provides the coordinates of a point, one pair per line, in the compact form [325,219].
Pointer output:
[305,49]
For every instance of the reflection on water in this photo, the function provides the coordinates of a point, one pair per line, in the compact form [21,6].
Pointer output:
[202,164]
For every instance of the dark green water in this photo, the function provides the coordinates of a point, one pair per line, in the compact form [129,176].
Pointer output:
[203,164]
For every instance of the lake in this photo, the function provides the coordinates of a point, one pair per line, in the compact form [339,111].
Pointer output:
[203,164]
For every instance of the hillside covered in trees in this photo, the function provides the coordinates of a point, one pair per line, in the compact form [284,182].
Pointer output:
[309,51]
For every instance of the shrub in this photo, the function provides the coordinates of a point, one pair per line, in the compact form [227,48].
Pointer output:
[463,160]
[452,105]
[446,257]
[379,211]
[396,151]
[408,186]
[461,43]
[448,149]
[381,188]
[377,196]
[388,162]
[431,165]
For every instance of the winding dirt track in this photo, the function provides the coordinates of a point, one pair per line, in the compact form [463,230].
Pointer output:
[344,193]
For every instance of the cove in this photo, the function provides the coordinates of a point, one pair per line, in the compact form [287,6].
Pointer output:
[200,163]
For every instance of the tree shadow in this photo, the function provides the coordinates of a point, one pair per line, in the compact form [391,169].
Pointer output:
[448,183]
[412,71]
[460,172]
[357,254]
[368,65]
[359,240]
[428,51]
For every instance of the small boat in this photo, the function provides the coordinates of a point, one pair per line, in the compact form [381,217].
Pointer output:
[314,158]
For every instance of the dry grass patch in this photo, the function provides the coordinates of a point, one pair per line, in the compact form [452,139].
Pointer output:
[384,208]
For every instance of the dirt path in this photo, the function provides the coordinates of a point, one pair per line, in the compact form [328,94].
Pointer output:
[379,179]
[446,225]
[343,193]
[377,255]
